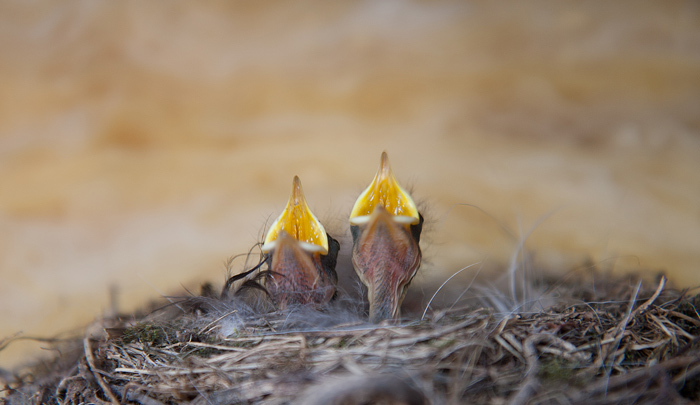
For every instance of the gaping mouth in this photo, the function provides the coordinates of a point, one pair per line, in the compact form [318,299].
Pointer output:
[385,191]
[300,223]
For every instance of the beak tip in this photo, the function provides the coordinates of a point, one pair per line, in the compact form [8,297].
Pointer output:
[297,191]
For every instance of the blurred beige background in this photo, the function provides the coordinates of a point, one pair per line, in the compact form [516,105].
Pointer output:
[141,144]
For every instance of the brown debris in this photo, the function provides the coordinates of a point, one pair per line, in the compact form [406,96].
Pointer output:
[638,345]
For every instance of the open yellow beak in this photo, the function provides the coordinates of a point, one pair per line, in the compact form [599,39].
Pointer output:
[299,222]
[387,192]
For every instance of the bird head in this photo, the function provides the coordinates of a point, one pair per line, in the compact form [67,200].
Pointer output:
[386,227]
[302,256]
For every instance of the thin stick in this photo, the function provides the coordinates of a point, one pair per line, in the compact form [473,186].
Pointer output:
[91,365]
[620,331]
[640,309]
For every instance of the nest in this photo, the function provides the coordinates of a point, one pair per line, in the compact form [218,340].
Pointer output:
[610,341]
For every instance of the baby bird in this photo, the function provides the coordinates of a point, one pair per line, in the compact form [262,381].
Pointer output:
[302,256]
[386,226]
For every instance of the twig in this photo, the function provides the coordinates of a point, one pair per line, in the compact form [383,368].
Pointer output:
[91,365]
[617,333]
[640,309]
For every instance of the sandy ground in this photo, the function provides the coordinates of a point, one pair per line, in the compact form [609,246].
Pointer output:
[141,144]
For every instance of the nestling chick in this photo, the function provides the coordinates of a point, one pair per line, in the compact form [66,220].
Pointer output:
[302,256]
[386,227]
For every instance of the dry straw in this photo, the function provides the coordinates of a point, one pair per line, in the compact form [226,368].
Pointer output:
[611,341]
